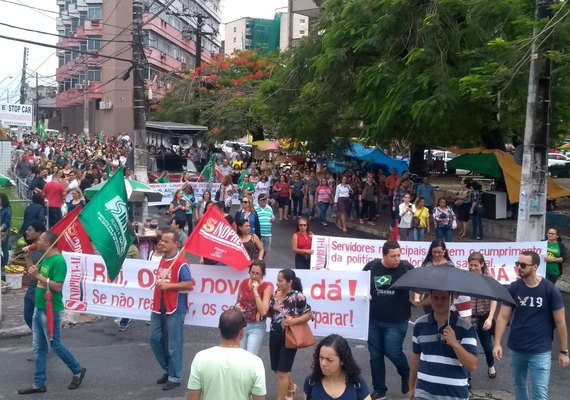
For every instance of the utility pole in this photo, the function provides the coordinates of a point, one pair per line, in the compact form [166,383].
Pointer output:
[532,201]
[23,87]
[85,108]
[290,25]
[37,101]
[198,31]
[140,138]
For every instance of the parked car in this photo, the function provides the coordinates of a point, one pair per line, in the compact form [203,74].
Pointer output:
[557,159]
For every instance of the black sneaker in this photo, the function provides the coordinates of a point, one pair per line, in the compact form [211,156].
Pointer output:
[77,379]
[123,326]
[32,390]
[170,385]
[162,380]
[378,396]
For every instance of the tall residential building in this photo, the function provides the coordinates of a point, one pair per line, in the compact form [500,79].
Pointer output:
[264,35]
[104,27]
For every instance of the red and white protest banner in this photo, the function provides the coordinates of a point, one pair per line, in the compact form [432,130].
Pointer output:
[351,254]
[75,238]
[214,238]
[168,190]
[339,300]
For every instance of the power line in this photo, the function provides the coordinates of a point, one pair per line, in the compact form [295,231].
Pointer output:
[63,48]
[43,62]
[57,35]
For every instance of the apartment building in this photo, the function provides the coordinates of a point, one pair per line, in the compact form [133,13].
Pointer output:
[104,28]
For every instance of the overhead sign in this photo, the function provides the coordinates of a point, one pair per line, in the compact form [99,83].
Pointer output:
[16,114]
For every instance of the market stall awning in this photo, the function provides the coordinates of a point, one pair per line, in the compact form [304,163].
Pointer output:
[376,158]
[481,161]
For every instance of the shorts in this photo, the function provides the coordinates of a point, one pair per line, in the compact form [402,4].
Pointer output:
[283,202]
[280,356]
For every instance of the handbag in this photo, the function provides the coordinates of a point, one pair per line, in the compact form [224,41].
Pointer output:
[298,336]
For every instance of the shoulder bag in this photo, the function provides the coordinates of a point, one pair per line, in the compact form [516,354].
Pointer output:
[298,336]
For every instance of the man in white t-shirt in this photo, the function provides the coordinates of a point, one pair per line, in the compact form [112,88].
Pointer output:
[227,371]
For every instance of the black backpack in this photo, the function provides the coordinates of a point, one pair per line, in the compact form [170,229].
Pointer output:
[357,387]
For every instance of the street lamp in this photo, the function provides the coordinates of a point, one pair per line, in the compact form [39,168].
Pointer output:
[8,77]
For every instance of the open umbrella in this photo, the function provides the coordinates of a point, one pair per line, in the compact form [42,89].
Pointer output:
[451,279]
[6,182]
[136,191]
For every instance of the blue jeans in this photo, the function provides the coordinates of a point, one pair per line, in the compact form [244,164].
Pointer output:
[477,223]
[386,340]
[266,240]
[253,336]
[297,206]
[167,342]
[419,234]
[323,208]
[29,305]
[5,251]
[41,345]
[539,367]
[445,233]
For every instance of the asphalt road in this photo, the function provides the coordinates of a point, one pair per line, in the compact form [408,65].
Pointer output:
[120,365]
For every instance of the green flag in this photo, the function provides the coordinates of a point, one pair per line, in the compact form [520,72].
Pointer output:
[209,171]
[41,131]
[105,219]
[101,137]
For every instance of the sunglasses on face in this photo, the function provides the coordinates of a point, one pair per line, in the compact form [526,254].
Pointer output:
[522,265]
[302,224]
[244,202]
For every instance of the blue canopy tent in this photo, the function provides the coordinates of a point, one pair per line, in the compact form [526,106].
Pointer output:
[375,158]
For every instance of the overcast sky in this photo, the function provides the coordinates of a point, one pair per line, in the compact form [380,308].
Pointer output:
[44,59]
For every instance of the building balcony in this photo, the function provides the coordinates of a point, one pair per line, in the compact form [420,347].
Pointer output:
[309,8]
[74,97]
[164,61]
[91,28]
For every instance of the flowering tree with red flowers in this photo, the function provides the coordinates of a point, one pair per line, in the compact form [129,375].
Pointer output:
[220,95]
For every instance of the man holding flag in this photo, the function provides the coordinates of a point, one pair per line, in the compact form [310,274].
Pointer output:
[169,308]
[50,277]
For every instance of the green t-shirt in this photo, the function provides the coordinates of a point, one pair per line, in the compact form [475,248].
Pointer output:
[553,250]
[219,371]
[163,180]
[55,269]
[246,186]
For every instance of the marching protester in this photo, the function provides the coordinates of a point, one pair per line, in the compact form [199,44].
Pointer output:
[34,212]
[299,190]
[539,313]
[32,235]
[284,193]
[5,225]
[178,208]
[483,312]
[312,184]
[77,199]
[342,196]
[227,371]
[50,276]
[169,307]
[287,307]
[444,221]
[420,222]
[390,311]
[253,300]
[188,195]
[247,213]
[266,218]
[301,243]
[463,206]
[406,211]
[440,367]
[226,192]
[476,211]
[201,206]
[249,240]
[323,199]
[335,373]
[555,255]
[368,196]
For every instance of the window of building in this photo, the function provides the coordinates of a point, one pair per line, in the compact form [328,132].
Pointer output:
[247,47]
[94,75]
[301,32]
[248,37]
[235,40]
[67,57]
[82,17]
[94,12]
[235,29]
[93,43]
[302,20]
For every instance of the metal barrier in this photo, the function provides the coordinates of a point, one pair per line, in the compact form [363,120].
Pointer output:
[21,190]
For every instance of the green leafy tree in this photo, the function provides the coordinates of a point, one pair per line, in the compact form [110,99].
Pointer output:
[220,95]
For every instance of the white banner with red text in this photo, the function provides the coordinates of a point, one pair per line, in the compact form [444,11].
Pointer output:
[351,254]
[168,190]
[339,300]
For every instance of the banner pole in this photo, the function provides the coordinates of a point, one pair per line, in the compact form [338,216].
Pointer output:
[57,240]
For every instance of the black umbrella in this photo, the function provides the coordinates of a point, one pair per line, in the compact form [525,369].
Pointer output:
[454,280]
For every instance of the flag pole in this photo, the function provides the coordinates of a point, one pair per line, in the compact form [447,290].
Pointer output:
[56,240]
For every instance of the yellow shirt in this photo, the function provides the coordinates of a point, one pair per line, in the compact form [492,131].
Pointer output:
[422,214]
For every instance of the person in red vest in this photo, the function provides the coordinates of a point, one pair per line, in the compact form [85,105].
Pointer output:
[54,193]
[169,308]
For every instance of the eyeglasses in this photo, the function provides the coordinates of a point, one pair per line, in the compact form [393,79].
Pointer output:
[522,265]
[302,224]
[245,202]
[254,273]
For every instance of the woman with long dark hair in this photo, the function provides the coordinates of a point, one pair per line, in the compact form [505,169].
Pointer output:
[482,312]
[5,225]
[250,241]
[437,255]
[178,208]
[253,300]
[335,375]
[287,307]
[555,255]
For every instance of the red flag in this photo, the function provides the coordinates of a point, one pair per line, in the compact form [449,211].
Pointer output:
[395,231]
[75,238]
[214,238]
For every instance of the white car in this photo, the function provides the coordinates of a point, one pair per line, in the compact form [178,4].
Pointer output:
[557,159]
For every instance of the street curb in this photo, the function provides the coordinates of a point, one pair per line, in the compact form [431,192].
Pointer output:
[17,331]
